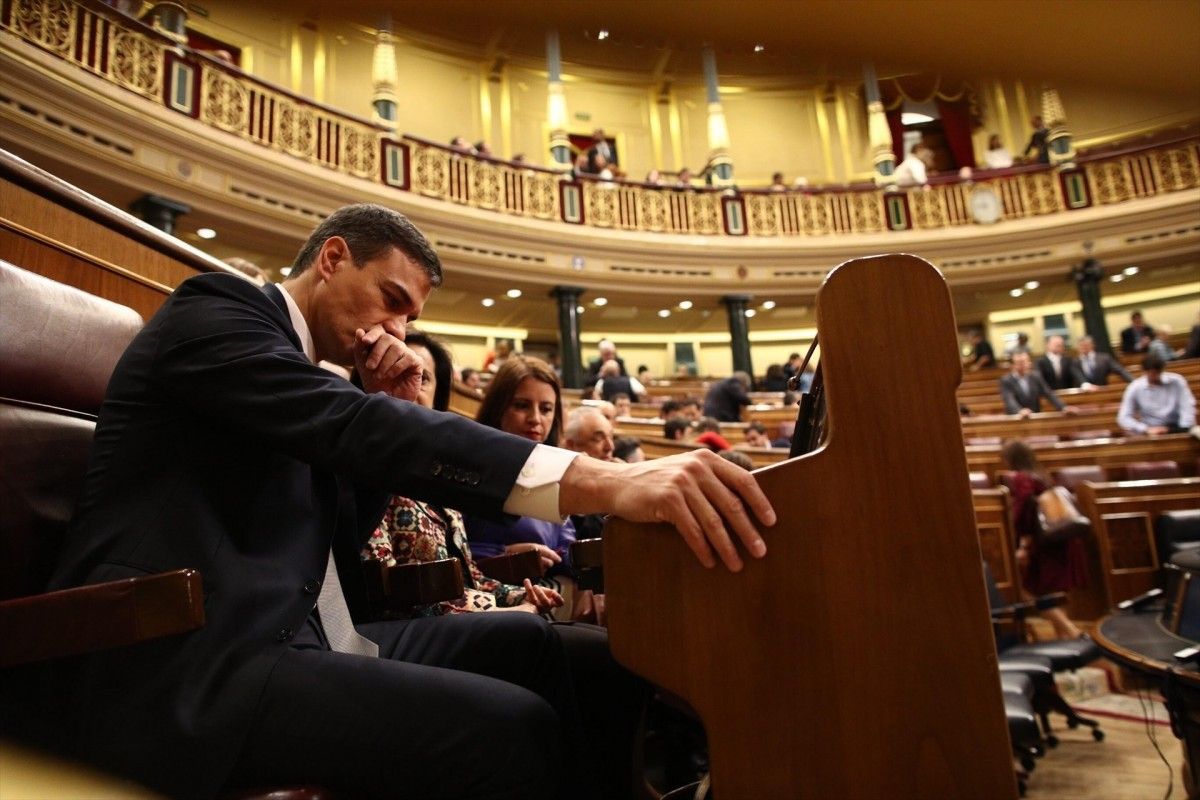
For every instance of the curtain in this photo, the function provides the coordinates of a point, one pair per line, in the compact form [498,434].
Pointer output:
[896,126]
[956,125]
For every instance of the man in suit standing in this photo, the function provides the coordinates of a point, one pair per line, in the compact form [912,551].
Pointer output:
[1056,367]
[1023,389]
[725,398]
[222,446]
[1138,336]
[600,147]
[608,352]
[1094,368]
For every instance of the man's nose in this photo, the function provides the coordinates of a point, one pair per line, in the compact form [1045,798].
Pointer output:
[396,326]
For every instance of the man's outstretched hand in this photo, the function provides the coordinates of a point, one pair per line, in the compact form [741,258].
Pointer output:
[704,496]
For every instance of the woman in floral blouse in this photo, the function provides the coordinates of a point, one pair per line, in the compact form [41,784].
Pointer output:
[413,531]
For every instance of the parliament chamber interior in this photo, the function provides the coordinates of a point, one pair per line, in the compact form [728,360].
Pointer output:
[840,361]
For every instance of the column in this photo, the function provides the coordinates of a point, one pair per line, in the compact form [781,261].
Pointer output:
[720,165]
[1055,118]
[569,348]
[159,211]
[739,332]
[556,104]
[1088,276]
[383,76]
[878,132]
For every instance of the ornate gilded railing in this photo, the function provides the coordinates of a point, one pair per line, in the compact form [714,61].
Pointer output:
[139,58]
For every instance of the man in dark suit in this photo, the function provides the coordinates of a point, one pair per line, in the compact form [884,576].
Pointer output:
[1138,336]
[608,352]
[1094,368]
[725,398]
[1057,368]
[222,446]
[1023,389]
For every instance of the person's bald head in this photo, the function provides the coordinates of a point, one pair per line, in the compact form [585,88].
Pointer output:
[1055,345]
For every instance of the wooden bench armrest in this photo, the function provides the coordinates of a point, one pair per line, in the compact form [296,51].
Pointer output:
[587,557]
[86,619]
[403,587]
[513,568]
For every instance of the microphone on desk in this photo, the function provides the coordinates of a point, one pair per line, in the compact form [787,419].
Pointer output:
[1142,600]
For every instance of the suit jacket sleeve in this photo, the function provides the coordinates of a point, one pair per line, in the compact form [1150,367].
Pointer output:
[1008,393]
[225,352]
[1119,368]
[1048,393]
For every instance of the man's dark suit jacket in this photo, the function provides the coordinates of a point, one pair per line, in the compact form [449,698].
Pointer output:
[1015,399]
[725,399]
[593,373]
[1070,376]
[1103,366]
[222,448]
[1131,338]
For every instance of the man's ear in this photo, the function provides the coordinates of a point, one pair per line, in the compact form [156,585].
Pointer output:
[334,253]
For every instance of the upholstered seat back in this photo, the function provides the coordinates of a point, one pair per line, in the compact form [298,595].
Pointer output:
[1075,476]
[1177,532]
[58,350]
[60,344]
[1151,470]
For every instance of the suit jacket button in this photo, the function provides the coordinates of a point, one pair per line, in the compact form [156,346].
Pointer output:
[285,635]
[312,587]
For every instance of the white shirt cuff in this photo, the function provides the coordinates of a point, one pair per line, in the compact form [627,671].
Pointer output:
[535,493]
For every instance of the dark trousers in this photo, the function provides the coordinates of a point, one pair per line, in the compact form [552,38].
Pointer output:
[463,706]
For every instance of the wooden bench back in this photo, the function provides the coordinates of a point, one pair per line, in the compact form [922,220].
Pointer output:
[856,660]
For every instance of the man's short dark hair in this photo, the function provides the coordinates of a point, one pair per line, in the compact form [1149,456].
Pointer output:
[467,373]
[689,401]
[670,407]
[755,425]
[620,396]
[371,231]
[672,427]
[1153,362]
[708,424]
[624,446]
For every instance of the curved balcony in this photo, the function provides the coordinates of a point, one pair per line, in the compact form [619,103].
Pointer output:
[135,104]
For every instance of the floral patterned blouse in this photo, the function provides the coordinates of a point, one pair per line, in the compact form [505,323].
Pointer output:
[415,532]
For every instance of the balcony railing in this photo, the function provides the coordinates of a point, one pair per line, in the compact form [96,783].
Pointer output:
[139,58]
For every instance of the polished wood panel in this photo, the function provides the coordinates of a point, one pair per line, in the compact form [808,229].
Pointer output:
[993,523]
[1112,454]
[873,567]
[1123,514]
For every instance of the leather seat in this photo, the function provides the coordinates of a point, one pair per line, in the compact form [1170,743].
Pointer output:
[1151,470]
[1074,477]
[1176,532]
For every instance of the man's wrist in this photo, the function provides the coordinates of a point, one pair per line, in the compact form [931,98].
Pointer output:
[580,491]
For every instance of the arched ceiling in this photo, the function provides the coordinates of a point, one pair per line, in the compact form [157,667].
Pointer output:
[1148,45]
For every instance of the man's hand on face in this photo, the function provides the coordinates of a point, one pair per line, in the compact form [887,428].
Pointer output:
[386,365]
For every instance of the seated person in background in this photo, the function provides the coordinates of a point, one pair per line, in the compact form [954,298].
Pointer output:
[607,351]
[1023,390]
[775,380]
[588,431]
[628,449]
[1138,336]
[792,365]
[612,382]
[643,374]
[984,355]
[1022,346]
[741,459]
[683,180]
[580,167]
[1095,367]
[677,428]
[778,184]
[708,433]
[689,407]
[670,409]
[1161,347]
[524,399]
[460,144]
[912,170]
[997,155]
[495,359]
[725,398]
[413,531]
[623,405]
[1045,568]
[1057,368]
[482,148]
[1157,402]
[470,378]
[756,435]
[653,178]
